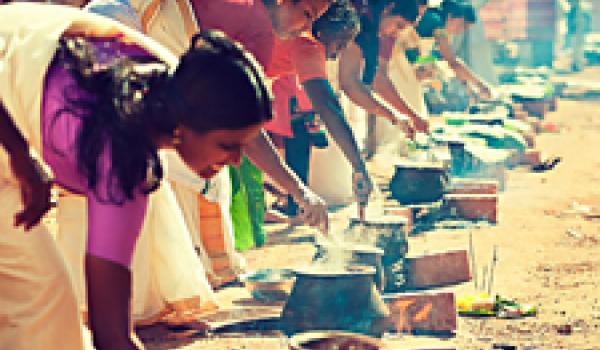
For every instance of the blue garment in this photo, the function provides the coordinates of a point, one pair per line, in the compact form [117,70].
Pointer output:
[120,10]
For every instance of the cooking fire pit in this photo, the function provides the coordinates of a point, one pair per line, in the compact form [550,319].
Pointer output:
[389,234]
[419,182]
[343,299]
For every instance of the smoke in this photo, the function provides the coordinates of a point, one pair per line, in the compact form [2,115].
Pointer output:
[336,249]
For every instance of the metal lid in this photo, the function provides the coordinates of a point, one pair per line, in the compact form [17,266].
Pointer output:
[299,341]
[350,247]
[384,222]
[324,271]
[420,165]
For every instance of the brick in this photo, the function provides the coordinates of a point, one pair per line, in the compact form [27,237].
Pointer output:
[521,115]
[517,107]
[529,138]
[438,269]
[422,312]
[473,206]
[419,342]
[537,108]
[402,212]
[532,157]
[473,186]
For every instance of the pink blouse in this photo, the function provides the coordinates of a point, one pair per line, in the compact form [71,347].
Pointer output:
[112,229]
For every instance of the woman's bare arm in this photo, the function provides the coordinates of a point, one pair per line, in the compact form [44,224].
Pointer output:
[109,296]
[350,76]
[383,86]
[461,70]
[34,181]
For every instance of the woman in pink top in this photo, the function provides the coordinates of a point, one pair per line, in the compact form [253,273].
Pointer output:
[107,107]
[256,23]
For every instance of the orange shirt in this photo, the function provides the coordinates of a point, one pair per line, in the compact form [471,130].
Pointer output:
[294,61]
[303,56]
[248,22]
[245,21]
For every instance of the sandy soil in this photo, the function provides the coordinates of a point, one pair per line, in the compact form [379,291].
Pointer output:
[539,261]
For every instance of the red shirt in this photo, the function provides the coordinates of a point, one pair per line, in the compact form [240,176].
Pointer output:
[294,62]
[283,89]
[246,21]
[249,23]
[303,56]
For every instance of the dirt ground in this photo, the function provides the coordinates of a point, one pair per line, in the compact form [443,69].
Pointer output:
[546,257]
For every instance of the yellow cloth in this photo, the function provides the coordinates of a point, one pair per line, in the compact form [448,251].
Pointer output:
[37,303]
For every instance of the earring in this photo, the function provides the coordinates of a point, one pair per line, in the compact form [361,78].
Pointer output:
[176,137]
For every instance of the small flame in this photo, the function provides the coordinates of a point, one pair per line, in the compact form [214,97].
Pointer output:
[400,312]
[406,312]
[424,313]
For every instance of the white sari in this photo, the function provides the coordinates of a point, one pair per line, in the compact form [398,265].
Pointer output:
[38,308]
[403,76]
[172,23]
[167,274]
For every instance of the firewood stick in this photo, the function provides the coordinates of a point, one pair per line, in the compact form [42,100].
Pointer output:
[484,278]
[492,268]
[472,257]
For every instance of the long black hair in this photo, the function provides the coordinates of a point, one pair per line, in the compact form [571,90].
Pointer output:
[217,85]
[339,24]
[407,9]
[371,12]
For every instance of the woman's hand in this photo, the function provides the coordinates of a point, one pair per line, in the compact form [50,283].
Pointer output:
[485,91]
[421,125]
[313,209]
[404,123]
[35,185]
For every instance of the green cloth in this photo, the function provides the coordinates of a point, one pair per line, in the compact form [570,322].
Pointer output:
[247,206]
[517,126]
[496,137]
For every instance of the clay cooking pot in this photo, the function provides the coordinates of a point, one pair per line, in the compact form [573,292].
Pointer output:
[418,182]
[343,300]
